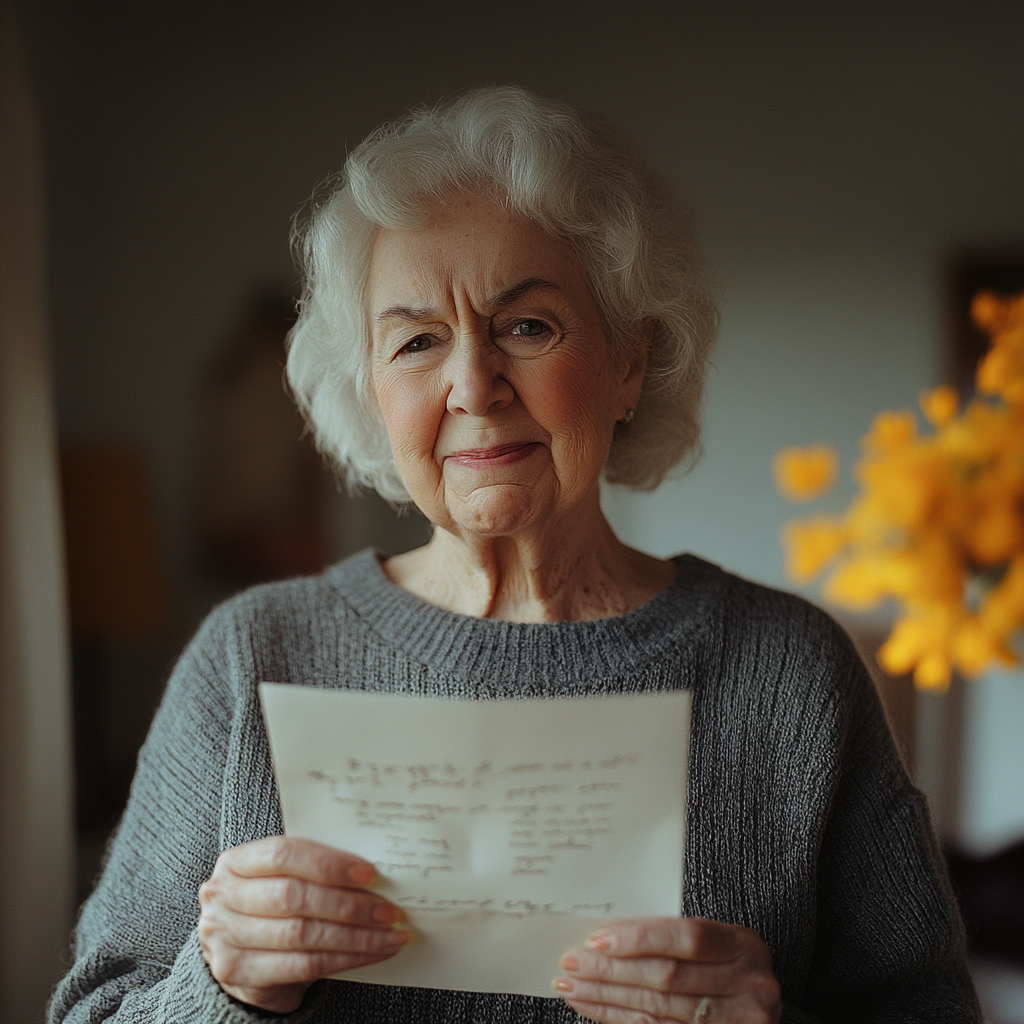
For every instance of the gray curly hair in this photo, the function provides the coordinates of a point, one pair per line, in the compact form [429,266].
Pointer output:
[576,176]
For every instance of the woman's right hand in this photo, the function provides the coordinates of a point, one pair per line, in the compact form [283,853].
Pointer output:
[279,913]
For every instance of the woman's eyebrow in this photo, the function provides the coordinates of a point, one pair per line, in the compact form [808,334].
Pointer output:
[517,291]
[419,314]
[412,314]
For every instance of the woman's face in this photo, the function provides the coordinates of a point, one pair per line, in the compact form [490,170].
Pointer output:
[489,360]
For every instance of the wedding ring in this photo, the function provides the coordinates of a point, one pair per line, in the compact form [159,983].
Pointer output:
[703,1010]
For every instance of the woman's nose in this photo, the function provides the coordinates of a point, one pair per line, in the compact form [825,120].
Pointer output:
[476,378]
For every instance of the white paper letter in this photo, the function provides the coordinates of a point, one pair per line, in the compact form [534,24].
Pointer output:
[507,829]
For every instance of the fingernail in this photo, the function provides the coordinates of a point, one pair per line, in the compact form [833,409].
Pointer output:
[569,963]
[399,935]
[604,941]
[562,984]
[386,913]
[362,874]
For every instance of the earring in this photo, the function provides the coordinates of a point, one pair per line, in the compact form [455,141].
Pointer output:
[628,418]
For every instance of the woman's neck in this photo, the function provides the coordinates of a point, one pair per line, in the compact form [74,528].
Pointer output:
[573,574]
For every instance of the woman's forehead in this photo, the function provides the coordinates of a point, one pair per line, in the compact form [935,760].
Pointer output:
[471,245]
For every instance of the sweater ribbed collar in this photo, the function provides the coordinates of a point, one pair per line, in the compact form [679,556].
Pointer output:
[496,657]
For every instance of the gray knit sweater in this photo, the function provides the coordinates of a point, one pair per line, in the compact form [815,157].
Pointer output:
[803,825]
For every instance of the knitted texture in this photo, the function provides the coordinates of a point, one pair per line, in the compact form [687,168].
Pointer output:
[802,823]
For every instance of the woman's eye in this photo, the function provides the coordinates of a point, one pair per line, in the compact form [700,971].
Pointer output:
[530,328]
[418,344]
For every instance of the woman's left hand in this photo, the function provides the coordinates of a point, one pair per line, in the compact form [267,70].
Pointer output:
[658,970]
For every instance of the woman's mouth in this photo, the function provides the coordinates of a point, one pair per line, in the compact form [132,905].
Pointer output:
[497,455]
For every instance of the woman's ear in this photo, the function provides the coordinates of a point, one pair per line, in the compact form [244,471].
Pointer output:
[636,362]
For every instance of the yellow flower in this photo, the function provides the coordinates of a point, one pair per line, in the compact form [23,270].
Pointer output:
[938,518]
[920,645]
[975,648]
[811,545]
[908,640]
[975,436]
[890,430]
[1001,371]
[998,372]
[1002,611]
[933,671]
[939,406]
[996,531]
[995,314]
[862,581]
[802,474]
[903,485]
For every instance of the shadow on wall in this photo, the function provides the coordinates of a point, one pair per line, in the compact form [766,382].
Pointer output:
[267,509]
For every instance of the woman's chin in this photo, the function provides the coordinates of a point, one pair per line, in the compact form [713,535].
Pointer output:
[500,511]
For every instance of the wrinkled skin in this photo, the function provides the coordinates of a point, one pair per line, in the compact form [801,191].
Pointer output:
[657,970]
[278,913]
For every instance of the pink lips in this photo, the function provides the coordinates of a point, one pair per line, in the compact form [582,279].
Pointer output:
[499,455]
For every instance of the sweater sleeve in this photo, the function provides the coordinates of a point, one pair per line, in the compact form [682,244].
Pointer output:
[136,955]
[889,945]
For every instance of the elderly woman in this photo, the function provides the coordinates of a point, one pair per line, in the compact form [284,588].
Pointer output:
[502,305]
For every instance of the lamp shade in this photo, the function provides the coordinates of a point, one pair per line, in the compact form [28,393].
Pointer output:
[115,584]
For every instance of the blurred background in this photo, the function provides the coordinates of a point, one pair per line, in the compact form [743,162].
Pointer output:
[856,169]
